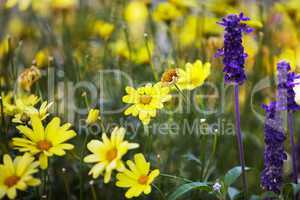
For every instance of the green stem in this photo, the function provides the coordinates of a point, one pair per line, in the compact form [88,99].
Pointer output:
[94,194]
[150,57]
[180,91]
[176,177]
[81,165]
[160,192]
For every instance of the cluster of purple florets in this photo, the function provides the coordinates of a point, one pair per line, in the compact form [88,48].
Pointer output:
[274,154]
[233,50]
[286,82]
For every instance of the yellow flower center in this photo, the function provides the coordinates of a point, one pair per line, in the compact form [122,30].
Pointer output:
[143,180]
[44,145]
[169,76]
[145,99]
[11,181]
[111,154]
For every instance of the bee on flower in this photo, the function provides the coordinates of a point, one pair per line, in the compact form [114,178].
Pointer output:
[17,174]
[28,77]
[138,178]
[108,153]
[146,101]
[44,141]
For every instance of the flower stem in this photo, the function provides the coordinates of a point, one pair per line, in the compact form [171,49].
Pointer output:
[180,92]
[294,152]
[239,136]
[160,192]
[81,165]
[150,57]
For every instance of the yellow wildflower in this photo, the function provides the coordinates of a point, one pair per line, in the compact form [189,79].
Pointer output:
[93,116]
[108,153]
[103,29]
[17,174]
[146,100]
[23,5]
[166,12]
[194,75]
[138,178]
[42,113]
[28,77]
[8,106]
[44,142]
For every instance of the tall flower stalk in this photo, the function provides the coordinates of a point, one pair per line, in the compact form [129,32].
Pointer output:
[286,100]
[234,73]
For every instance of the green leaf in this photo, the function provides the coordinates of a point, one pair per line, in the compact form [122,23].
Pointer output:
[290,189]
[233,193]
[232,175]
[183,189]
[255,197]
[269,195]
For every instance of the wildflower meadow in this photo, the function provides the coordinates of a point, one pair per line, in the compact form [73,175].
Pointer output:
[150,99]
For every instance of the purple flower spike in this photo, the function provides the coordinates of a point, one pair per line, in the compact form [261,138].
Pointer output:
[233,50]
[274,154]
[286,82]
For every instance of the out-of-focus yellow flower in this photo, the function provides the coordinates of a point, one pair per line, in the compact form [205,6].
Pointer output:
[8,106]
[193,76]
[254,24]
[64,4]
[44,142]
[108,153]
[142,54]
[103,29]
[291,8]
[146,101]
[16,27]
[136,15]
[185,3]
[28,77]
[42,58]
[138,178]
[291,56]
[4,48]
[17,174]
[136,12]
[23,4]
[93,116]
[166,12]
[195,28]
[42,113]
[120,48]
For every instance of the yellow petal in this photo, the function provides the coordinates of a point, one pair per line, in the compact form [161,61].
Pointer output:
[38,128]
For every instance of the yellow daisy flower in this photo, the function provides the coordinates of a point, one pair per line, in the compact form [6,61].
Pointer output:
[17,175]
[146,100]
[93,116]
[42,113]
[8,106]
[45,142]
[108,153]
[138,178]
[193,76]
